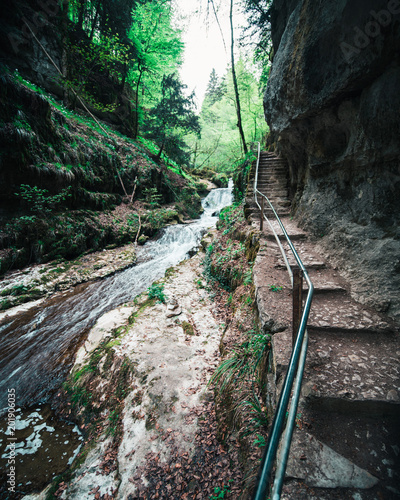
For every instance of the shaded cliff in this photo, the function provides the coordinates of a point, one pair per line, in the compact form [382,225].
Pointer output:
[333,104]
[39,40]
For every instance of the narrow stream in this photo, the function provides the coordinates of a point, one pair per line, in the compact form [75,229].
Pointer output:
[38,346]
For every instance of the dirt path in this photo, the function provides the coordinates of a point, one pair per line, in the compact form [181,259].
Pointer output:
[168,447]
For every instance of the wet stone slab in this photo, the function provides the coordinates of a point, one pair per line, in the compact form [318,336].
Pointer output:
[372,444]
[174,349]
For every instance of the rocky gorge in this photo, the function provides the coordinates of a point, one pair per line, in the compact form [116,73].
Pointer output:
[170,374]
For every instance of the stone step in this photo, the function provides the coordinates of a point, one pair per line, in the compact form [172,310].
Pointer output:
[276,202]
[353,373]
[267,174]
[273,191]
[273,186]
[276,160]
[262,168]
[272,162]
[273,179]
[270,236]
[271,167]
[309,265]
[272,183]
[331,451]
[294,232]
[335,312]
[325,282]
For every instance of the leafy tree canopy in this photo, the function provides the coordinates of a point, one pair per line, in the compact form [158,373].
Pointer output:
[158,48]
[219,146]
[258,33]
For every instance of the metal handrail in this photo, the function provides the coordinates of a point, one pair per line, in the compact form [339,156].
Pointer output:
[296,366]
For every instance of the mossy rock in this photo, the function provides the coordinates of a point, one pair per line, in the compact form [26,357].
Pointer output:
[187,328]
[142,239]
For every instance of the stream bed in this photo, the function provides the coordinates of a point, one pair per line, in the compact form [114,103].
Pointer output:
[38,346]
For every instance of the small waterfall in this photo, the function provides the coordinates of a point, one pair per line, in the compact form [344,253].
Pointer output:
[218,199]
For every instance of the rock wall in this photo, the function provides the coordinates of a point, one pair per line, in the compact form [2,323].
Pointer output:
[332,103]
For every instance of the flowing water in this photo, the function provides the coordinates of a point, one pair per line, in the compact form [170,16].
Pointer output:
[38,348]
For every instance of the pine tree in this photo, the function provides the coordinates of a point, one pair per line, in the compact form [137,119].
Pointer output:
[172,118]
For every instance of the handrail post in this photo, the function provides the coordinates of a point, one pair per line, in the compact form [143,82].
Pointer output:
[262,213]
[297,301]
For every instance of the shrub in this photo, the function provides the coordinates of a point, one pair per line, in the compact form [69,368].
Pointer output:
[156,291]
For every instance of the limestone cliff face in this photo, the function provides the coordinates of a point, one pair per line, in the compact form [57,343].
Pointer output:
[332,103]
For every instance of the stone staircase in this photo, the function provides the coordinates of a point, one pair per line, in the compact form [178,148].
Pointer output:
[272,182]
[346,444]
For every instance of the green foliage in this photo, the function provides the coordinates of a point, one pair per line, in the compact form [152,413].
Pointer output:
[99,38]
[260,441]
[219,147]
[248,277]
[152,196]
[229,217]
[241,373]
[171,118]
[241,175]
[220,493]
[259,32]
[15,290]
[158,49]
[275,288]
[39,202]
[156,291]
[157,218]
[113,419]
[216,89]
[187,328]
[21,122]
[242,365]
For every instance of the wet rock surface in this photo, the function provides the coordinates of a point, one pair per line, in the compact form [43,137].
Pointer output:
[42,280]
[168,444]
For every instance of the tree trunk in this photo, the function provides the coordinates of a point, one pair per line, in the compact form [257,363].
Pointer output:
[158,158]
[238,111]
[136,131]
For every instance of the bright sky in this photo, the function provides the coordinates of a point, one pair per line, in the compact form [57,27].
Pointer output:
[204,47]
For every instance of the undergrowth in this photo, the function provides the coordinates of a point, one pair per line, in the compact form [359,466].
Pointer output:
[242,373]
[239,380]
[76,169]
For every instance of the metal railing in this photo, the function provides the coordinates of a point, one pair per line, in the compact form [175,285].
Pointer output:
[295,371]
